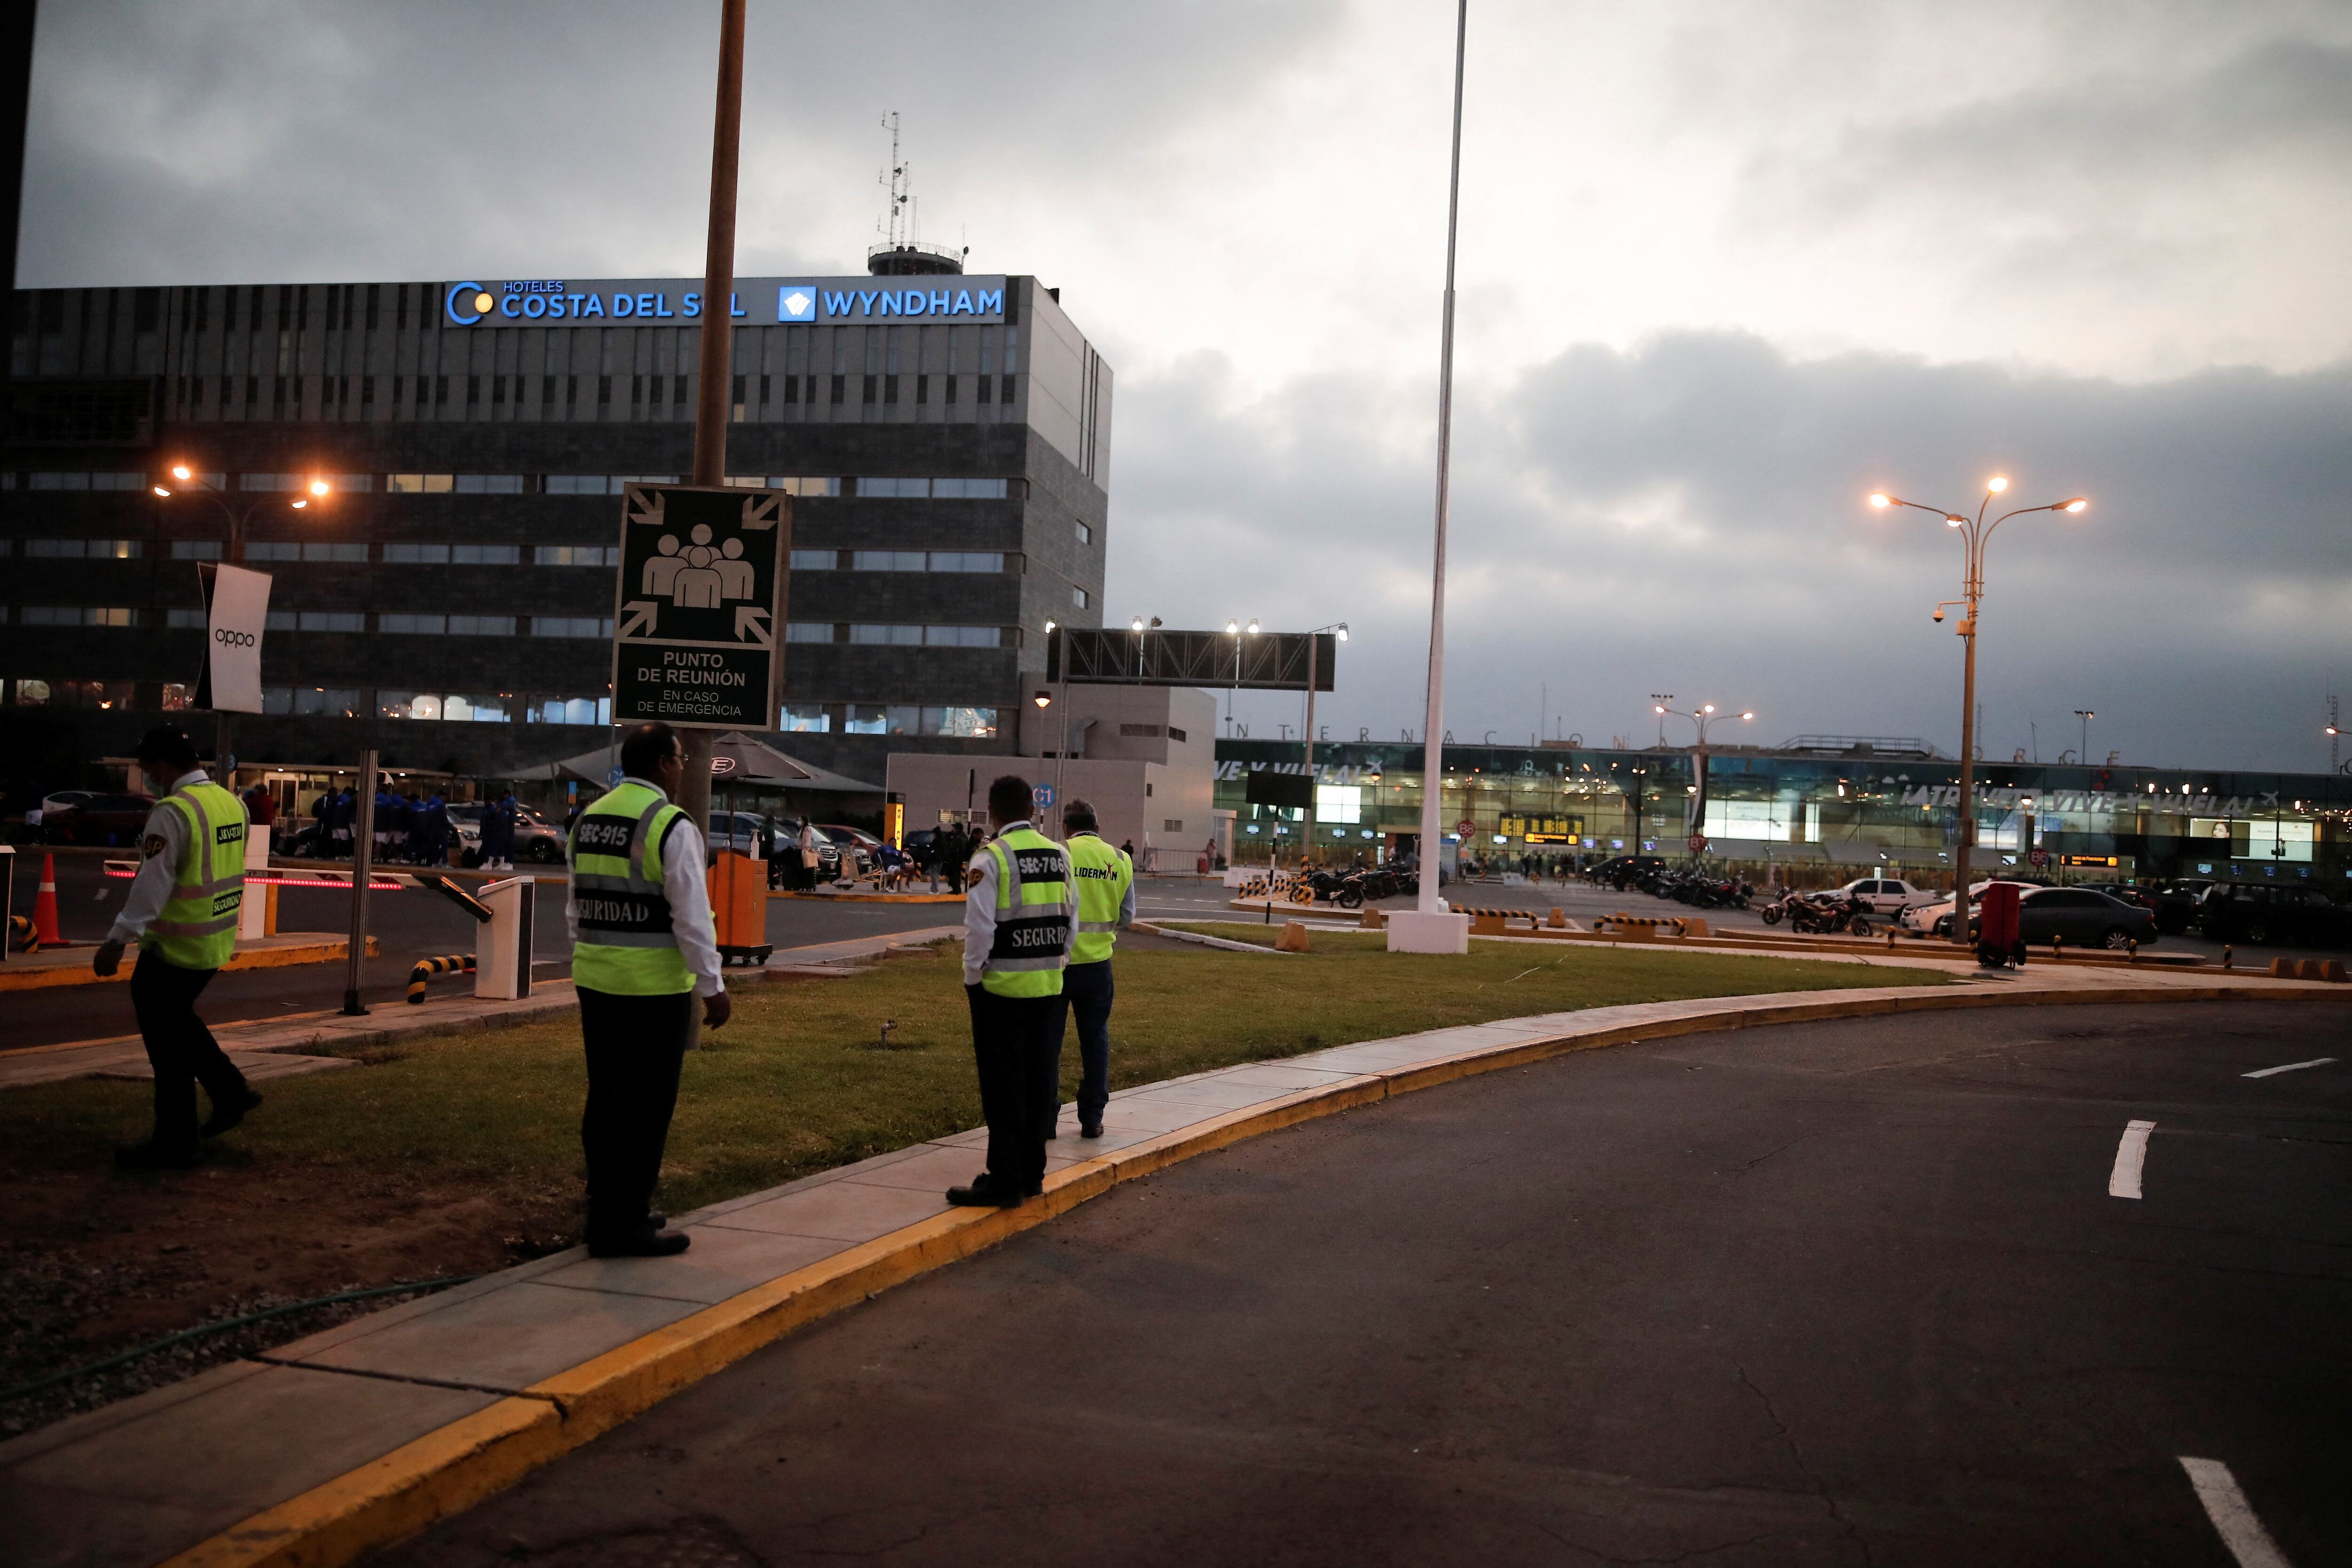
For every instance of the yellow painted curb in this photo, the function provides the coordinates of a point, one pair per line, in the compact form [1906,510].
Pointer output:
[454,1468]
[252,958]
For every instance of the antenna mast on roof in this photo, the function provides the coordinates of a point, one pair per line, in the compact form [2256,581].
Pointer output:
[900,254]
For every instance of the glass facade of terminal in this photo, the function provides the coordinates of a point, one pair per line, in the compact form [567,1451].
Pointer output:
[1809,817]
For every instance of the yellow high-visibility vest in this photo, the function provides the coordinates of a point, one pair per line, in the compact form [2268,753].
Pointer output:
[1033,916]
[626,944]
[1103,876]
[197,929]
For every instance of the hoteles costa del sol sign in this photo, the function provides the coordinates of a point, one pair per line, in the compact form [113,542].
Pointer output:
[701,588]
[756,302]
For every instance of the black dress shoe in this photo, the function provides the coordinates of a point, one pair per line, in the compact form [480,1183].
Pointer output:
[229,1115]
[983,1194]
[647,1243]
[154,1157]
[1090,1129]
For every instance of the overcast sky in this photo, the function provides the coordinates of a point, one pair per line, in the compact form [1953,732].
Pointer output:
[1723,269]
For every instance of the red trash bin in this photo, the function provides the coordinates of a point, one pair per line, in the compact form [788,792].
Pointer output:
[1997,928]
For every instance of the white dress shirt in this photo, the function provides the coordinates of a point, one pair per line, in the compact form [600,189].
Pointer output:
[686,883]
[161,844]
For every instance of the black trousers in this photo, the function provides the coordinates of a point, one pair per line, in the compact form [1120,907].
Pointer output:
[179,1047]
[634,1046]
[1088,988]
[1016,1042]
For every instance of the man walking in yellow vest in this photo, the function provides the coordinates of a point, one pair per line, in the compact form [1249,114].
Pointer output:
[1018,919]
[181,910]
[1106,883]
[643,947]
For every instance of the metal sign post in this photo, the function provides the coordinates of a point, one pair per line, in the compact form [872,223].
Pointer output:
[363,843]
[695,619]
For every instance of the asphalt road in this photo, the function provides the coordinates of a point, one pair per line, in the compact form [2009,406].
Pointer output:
[408,925]
[1843,1293]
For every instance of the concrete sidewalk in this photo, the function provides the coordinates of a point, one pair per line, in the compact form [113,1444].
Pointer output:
[281,1048]
[366,1432]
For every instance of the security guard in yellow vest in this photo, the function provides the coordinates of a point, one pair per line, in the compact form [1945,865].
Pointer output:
[1017,924]
[181,910]
[1106,883]
[643,947]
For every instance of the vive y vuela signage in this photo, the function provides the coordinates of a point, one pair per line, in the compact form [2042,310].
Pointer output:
[756,301]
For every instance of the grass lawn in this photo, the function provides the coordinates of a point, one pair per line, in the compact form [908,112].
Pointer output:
[798,1082]
[458,1154]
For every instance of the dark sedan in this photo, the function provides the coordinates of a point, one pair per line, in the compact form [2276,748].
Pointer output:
[2083,918]
[2260,914]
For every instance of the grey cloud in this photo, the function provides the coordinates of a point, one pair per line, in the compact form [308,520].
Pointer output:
[1692,512]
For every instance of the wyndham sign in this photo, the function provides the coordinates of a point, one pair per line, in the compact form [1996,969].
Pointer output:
[756,301]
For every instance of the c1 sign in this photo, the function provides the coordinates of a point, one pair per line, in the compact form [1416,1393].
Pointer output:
[238,611]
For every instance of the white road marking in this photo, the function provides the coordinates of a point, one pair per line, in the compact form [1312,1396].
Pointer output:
[2234,1520]
[2130,1156]
[2291,1067]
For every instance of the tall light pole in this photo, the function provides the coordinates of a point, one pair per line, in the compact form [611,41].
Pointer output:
[1234,630]
[185,480]
[1307,843]
[1433,739]
[1974,532]
[1705,716]
[718,339]
[2086,716]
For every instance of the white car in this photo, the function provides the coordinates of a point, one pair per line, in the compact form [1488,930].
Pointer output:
[1935,918]
[1889,895]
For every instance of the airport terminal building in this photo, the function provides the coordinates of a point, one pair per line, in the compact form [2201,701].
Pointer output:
[946,437]
[1816,809]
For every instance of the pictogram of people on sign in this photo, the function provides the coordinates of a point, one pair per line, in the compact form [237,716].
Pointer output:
[697,575]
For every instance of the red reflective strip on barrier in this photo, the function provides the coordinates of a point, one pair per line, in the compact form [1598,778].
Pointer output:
[264,879]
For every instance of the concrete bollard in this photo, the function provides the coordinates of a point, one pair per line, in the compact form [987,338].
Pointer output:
[1375,920]
[2331,971]
[1293,939]
[2225,957]
[1486,926]
[1558,919]
[2286,970]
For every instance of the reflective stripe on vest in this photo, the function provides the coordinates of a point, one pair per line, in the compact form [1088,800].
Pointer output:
[1103,876]
[198,926]
[1033,916]
[627,943]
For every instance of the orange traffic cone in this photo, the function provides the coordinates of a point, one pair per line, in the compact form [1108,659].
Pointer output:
[44,905]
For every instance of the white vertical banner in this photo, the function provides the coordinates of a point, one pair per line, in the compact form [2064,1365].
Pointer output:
[239,610]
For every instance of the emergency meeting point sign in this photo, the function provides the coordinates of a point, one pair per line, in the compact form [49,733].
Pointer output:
[698,605]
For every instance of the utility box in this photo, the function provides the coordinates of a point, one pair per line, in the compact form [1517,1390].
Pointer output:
[503,969]
[257,916]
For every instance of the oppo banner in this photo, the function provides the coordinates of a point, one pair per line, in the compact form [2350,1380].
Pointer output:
[238,610]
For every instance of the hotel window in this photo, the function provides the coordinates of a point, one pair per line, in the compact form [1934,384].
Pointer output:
[578,484]
[416,554]
[272,550]
[840,388]
[1085,534]
[332,621]
[73,615]
[951,381]
[181,619]
[792,389]
[481,625]
[571,626]
[967,560]
[890,388]
[808,631]
[569,710]
[1079,596]
[473,390]
[80,550]
[576,555]
[808,718]
[677,388]
[344,552]
[420,483]
[636,388]
[894,636]
[815,559]
[922,389]
[604,390]
[962,636]
[888,560]
[414,625]
[902,489]
[485,555]
[490,485]
[968,489]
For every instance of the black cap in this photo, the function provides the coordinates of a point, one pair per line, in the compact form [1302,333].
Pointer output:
[169,743]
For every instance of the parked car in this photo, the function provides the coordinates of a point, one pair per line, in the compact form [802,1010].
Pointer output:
[1887,895]
[58,800]
[2260,914]
[2085,917]
[2176,903]
[1934,919]
[787,852]
[866,844]
[96,819]
[538,841]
